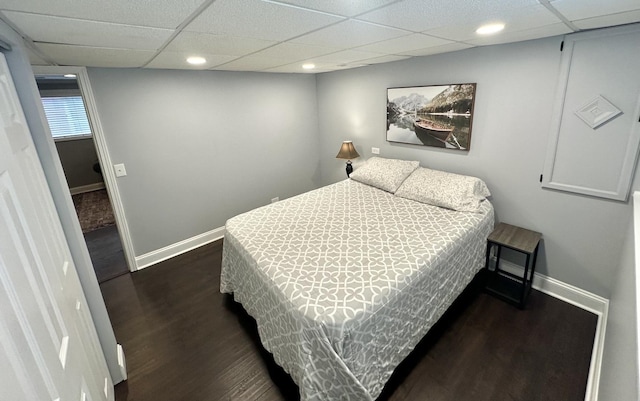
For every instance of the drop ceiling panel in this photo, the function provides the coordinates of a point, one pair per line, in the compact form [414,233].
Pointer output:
[350,33]
[404,44]
[258,19]
[296,69]
[42,28]
[178,60]
[515,20]
[252,63]
[451,47]
[336,60]
[217,44]
[340,7]
[608,20]
[518,36]
[581,9]
[95,56]
[383,59]
[422,15]
[295,51]
[151,13]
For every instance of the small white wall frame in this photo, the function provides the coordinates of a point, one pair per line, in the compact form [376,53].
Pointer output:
[597,112]
[595,132]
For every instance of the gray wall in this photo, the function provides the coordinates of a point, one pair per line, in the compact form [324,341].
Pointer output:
[619,377]
[202,146]
[78,157]
[516,84]
[24,80]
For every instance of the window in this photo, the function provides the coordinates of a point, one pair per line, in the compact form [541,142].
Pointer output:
[67,117]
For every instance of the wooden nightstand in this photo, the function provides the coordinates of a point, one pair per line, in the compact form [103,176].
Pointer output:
[511,287]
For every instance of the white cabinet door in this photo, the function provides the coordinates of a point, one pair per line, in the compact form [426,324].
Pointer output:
[595,134]
[49,347]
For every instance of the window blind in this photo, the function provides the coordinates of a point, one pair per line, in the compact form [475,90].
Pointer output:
[66,116]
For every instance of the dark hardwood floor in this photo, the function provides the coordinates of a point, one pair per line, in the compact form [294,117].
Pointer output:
[184,340]
[106,253]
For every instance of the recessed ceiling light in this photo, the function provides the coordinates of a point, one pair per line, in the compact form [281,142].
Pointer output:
[490,29]
[308,66]
[69,75]
[196,60]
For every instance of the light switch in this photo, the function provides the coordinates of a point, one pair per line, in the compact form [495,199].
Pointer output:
[120,170]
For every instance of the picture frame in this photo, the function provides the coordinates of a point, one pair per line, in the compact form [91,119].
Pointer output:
[434,115]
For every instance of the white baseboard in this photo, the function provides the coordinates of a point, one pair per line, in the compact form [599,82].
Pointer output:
[584,300]
[87,188]
[157,256]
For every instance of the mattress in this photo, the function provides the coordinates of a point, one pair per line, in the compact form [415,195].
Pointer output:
[345,280]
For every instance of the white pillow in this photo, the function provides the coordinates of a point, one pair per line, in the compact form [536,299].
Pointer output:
[439,188]
[386,174]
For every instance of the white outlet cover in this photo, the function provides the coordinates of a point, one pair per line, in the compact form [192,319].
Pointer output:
[119,170]
[375,151]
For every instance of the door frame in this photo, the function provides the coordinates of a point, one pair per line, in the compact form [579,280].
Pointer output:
[103,155]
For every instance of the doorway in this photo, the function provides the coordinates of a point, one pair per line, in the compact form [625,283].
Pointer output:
[86,163]
[69,125]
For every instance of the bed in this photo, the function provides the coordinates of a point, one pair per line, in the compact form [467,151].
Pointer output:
[345,280]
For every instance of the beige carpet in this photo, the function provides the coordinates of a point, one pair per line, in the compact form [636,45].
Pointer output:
[94,210]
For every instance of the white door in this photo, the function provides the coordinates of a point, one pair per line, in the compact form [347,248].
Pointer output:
[49,347]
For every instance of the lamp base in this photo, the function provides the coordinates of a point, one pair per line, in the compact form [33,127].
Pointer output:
[349,168]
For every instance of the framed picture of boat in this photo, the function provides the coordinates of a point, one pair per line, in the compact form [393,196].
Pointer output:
[438,115]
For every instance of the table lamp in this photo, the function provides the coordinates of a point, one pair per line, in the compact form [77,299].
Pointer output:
[348,152]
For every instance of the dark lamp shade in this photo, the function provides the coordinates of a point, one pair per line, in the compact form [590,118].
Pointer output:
[347,151]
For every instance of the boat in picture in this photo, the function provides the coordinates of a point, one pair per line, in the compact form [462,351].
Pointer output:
[428,127]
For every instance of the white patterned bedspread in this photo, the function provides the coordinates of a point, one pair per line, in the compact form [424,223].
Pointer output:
[345,280]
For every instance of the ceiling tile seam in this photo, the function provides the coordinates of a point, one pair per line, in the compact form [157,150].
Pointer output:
[405,54]
[183,25]
[400,37]
[344,19]
[464,41]
[562,18]
[27,40]
[289,40]
[609,15]
[289,62]
[249,54]
[37,42]
[241,57]
[118,24]
[278,3]
[383,25]
[375,9]
[82,19]
[292,62]
[358,61]
[179,29]
[557,13]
